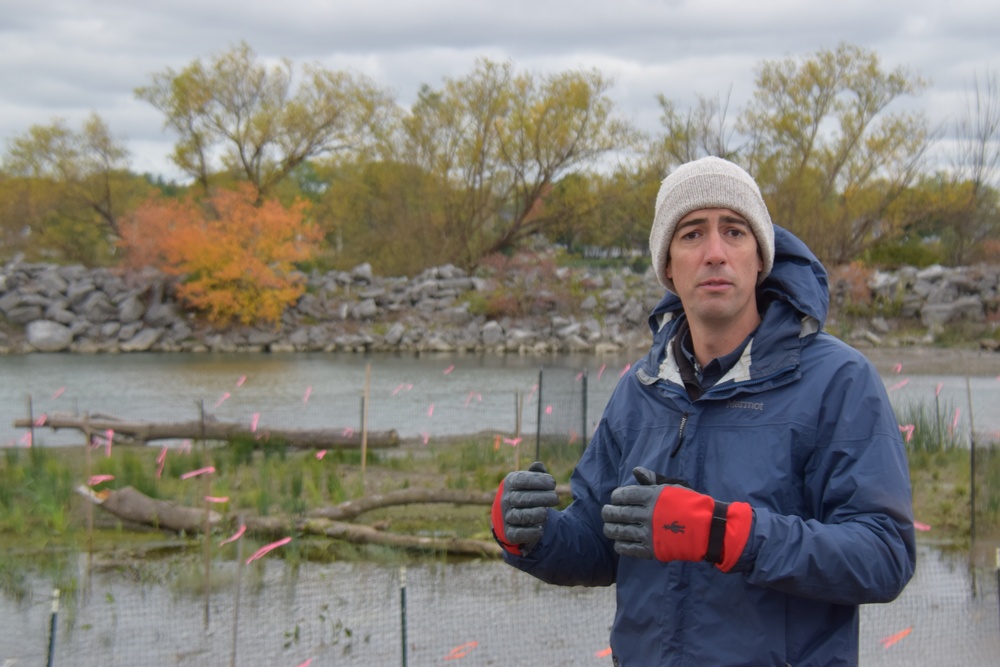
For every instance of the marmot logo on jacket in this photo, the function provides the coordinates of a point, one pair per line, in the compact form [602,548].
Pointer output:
[745,405]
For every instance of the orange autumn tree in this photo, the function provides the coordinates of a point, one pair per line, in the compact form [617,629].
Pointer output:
[236,259]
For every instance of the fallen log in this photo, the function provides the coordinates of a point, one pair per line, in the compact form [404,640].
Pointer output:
[211,429]
[350,509]
[132,505]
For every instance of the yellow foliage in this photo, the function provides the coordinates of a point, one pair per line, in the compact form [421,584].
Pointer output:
[236,258]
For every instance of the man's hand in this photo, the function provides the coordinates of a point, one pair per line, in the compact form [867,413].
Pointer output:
[521,507]
[669,522]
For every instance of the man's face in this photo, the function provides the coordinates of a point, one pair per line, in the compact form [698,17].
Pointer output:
[714,264]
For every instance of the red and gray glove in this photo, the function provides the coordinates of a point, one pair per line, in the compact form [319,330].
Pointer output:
[668,521]
[521,507]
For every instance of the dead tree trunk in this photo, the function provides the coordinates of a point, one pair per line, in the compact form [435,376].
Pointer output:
[129,504]
[352,508]
[144,432]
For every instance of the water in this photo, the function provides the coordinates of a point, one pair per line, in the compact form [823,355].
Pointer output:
[419,397]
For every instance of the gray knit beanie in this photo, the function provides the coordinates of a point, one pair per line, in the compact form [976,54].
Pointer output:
[710,182]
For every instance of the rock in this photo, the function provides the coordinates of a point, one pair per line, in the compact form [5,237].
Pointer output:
[254,337]
[105,311]
[613,300]
[142,341]
[606,349]
[575,343]
[131,310]
[635,313]
[97,307]
[48,336]
[571,329]
[871,337]
[362,273]
[395,334]
[299,338]
[366,310]
[932,273]
[78,290]
[492,334]
[180,331]
[51,283]
[110,329]
[521,337]
[967,308]
[128,331]
[880,325]
[9,301]
[160,315]
[24,314]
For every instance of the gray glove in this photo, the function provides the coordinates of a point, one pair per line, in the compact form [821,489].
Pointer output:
[521,507]
[665,519]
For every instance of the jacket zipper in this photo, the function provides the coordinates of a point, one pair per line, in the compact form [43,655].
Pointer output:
[680,434]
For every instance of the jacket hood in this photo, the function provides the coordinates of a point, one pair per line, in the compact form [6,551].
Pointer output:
[798,279]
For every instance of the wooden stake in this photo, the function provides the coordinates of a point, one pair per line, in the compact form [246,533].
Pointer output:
[364,423]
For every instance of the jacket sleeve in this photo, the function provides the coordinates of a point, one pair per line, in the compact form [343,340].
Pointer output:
[858,545]
[573,550]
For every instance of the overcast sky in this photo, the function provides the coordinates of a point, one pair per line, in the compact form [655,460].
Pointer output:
[68,58]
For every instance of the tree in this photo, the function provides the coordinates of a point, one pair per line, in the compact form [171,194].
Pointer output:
[702,131]
[976,171]
[259,124]
[612,210]
[67,189]
[499,141]
[388,213]
[236,255]
[830,160]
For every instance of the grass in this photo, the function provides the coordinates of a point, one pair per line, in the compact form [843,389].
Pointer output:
[941,476]
[41,513]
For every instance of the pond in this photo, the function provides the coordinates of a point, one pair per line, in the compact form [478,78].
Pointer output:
[418,396]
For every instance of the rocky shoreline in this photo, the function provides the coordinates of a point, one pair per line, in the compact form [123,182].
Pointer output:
[51,308]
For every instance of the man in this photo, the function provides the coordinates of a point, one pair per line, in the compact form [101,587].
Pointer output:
[747,486]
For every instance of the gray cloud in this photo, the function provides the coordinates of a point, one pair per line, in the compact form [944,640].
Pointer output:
[69,59]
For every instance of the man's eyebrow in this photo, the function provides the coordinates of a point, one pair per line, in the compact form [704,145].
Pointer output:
[731,219]
[691,222]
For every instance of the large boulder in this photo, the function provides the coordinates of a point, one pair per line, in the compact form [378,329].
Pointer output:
[48,336]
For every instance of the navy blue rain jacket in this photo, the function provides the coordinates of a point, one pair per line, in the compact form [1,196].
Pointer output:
[802,430]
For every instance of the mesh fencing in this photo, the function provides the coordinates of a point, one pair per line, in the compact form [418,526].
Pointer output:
[481,613]
[284,611]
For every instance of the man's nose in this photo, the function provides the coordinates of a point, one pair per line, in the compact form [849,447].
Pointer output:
[715,251]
